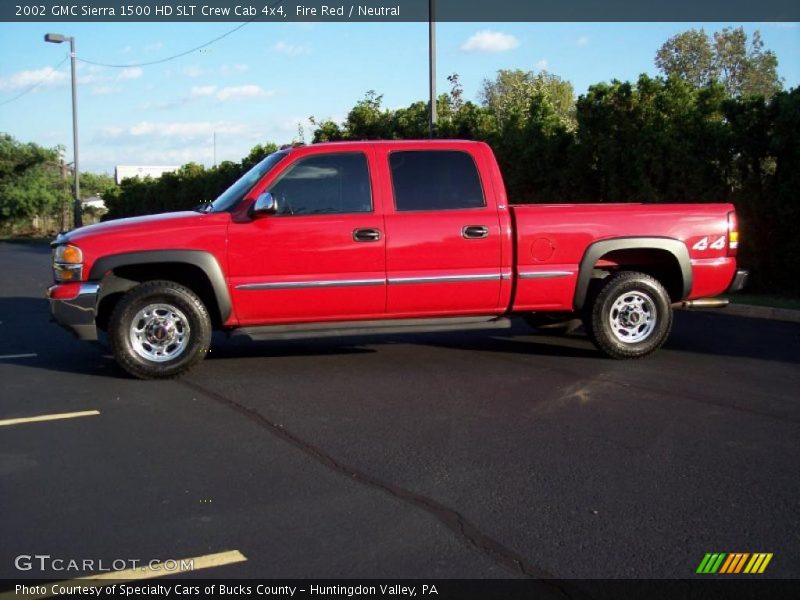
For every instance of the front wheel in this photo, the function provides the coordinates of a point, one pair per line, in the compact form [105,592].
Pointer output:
[630,317]
[159,329]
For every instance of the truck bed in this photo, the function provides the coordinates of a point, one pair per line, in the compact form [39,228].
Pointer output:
[551,240]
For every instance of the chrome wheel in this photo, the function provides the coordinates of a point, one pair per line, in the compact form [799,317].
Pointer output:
[159,332]
[633,317]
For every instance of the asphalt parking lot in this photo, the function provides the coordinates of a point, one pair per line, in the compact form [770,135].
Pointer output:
[476,455]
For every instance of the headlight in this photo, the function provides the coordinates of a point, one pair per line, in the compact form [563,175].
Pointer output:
[68,263]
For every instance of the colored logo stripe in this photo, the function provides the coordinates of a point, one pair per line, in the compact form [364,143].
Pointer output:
[758,563]
[710,563]
[724,563]
[734,563]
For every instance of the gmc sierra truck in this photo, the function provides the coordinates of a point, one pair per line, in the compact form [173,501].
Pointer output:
[352,237]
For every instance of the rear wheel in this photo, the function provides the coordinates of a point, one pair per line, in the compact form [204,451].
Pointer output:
[159,329]
[630,317]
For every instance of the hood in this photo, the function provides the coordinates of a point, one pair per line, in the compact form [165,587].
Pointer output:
[148,222]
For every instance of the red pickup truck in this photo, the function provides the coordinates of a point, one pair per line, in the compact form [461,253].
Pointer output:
[354,237]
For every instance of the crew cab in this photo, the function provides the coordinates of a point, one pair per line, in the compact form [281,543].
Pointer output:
[352,237]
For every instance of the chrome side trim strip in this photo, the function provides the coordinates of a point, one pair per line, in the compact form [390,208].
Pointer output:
[444,279]
[544,274]
[283,285]
[288,285]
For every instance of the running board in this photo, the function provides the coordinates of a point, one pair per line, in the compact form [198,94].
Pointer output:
[376,327]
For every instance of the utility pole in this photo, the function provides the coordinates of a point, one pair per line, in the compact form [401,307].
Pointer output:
[65,204]
[57,38]
[432,65]
[78,216]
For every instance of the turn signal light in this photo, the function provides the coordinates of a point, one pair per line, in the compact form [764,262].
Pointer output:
[68,254]
[68,263]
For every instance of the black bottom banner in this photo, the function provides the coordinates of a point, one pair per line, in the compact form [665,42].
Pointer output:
[438,589]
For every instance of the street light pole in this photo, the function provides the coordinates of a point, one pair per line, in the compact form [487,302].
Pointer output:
[432,65]
[76,169]
[56,38]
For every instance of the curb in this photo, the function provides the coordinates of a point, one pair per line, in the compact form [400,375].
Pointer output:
[787,315]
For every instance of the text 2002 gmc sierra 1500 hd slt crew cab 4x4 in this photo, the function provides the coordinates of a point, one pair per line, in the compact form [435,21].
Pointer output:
[337,238]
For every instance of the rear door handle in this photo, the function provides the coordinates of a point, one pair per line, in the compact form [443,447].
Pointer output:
[474,232]
[366,235]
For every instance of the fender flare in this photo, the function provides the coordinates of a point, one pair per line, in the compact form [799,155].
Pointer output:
[205,261]
[599,249]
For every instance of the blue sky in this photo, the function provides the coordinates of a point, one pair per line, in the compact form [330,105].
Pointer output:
[258,83]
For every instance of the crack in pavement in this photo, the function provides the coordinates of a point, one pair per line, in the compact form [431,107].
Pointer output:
[450,518]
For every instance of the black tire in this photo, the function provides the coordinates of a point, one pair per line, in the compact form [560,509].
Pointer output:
[630,316]
[177,318]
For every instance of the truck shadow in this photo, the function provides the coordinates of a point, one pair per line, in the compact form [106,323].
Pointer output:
[25,329]
[715,333]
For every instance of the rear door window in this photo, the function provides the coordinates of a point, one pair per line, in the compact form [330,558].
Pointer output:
[435,180]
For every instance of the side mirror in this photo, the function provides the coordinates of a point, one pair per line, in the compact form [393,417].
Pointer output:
[264,205]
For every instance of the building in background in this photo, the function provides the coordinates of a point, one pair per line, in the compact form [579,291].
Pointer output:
[124,171]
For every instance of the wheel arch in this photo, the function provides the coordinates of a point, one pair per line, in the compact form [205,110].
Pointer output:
[198,270]
[623,249]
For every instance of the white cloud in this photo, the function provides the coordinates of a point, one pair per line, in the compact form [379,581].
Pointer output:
[238,92]
[186,130]
[582,41]
[154,46]
[130,73]
[91,78]
[202,90]
[156,141]
[291,49]
[490,41]
[541,65]
[104,90]
[193,71]
[48,76]
[126,49]
[232,69]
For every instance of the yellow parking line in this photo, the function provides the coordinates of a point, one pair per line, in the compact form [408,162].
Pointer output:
[150,571]
[56,417]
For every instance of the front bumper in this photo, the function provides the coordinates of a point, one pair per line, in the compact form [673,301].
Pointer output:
[739,281]
[74,307]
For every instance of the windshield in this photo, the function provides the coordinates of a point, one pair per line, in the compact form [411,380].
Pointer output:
[231,197]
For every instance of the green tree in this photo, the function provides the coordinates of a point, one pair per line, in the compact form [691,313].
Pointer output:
[30,182]
[743,70]
[326,131]
[183,189]
[95,184]
[510,93]
[257,154]
[411,123]
[689,56]
[368,120]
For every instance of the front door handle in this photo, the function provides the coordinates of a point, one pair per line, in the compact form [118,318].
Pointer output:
[366,235]
[475,232]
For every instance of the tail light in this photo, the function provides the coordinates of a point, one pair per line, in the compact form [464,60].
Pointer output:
[733,234]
